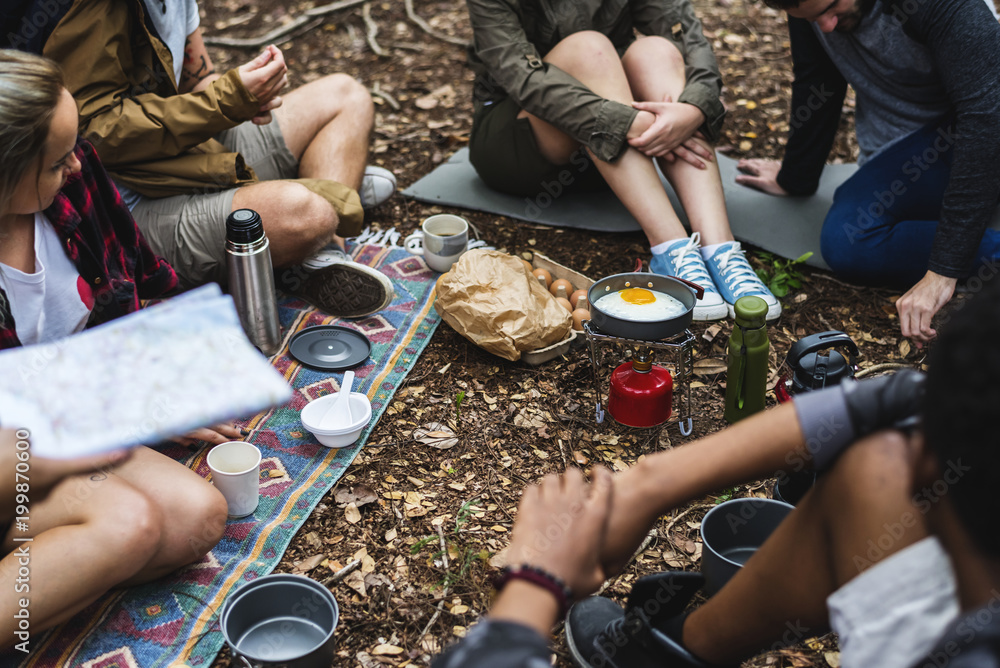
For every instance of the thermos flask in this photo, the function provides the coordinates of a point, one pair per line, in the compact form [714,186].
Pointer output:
[746,379]
[251,279]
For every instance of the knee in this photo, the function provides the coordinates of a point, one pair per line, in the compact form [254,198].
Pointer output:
[308,216]
[589,47]
[134,529]
[880,463]
[658,50]
[205,512]
[845,242]
[350,93]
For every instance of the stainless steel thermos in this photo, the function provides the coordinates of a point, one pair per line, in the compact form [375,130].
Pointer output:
[251,279]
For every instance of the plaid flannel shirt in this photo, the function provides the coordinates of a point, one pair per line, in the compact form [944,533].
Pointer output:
[103,242]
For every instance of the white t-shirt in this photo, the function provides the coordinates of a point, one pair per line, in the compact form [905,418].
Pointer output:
[54,301]
[174,20]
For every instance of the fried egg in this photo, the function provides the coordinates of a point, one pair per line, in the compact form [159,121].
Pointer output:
[640,305]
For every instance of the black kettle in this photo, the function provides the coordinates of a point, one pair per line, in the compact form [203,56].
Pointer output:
[811,369]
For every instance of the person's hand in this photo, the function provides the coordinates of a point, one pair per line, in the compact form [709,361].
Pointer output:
[760,175]
[885,402]
[265,77]
[917,307]
[214,435]
[692,151]
[561,523]
[674,124]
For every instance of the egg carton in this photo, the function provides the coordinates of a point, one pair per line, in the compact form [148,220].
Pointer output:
[575,338]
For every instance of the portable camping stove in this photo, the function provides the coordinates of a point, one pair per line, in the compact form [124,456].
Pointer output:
[678,351]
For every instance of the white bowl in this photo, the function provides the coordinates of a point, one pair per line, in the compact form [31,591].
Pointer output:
[312,414]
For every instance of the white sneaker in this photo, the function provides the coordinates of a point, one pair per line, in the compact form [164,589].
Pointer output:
[337,285]
[683,259]
[377,185]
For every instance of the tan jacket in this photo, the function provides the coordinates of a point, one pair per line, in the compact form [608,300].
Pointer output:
[510,38]
[151,138]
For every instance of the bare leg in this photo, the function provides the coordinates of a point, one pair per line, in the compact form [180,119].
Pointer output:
[98,531]
[591,58]
[297,221]
[655,68]
[327,126]
[194,511]
[812,553]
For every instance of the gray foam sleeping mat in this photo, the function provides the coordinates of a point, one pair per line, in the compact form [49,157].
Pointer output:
[787,226]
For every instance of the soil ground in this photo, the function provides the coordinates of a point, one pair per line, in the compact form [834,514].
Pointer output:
[516,422]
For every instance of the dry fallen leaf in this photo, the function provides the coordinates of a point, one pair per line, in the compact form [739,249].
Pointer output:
[436,435]
[359,495]
[307,565]
[390,535]
[709,366]
[356,581]
[386,649]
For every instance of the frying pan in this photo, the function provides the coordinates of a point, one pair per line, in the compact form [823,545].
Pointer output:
[686,292]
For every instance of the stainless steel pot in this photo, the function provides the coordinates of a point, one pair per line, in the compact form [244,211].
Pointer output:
[685,292]
[281,621]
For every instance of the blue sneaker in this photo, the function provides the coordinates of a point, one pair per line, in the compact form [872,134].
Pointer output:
[683,260]
[735,278]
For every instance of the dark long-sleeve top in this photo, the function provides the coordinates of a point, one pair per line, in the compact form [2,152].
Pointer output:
[963,39]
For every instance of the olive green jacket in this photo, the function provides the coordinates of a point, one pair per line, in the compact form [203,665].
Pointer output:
[510,38]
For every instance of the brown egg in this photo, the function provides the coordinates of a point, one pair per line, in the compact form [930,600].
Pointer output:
[527,265]
[575,297]
[579,315]
[544,275]
[564,303]
[566,286]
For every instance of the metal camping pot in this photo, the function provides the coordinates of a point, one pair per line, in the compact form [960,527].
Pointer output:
[281,621]
[685,292]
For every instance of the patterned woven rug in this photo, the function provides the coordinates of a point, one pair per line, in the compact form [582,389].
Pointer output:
[174,620]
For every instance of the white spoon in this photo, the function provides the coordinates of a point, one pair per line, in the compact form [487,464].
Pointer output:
[338,416]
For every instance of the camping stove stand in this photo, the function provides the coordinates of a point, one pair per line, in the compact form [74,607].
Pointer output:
[679,351]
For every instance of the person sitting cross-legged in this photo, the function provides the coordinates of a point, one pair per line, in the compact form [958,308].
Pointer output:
[568,95]
[894,548]
[187,146]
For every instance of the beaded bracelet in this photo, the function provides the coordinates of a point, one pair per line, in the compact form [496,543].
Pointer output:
[540,578]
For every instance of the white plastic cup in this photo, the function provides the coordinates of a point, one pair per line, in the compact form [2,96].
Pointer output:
[441,240]
[235,470]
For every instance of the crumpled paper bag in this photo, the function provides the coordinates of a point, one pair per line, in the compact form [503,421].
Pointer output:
[492,299]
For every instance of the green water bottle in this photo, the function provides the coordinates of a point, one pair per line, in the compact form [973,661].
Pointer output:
[746,380]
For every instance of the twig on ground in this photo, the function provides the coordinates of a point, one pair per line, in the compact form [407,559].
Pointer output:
[308,20]
[389,99]
[886,366]
[677,518]
[642,548]
[371,30]
[342,573]
[444,594]
[423,25]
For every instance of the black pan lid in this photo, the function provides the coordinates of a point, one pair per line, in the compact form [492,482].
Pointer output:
[329,347]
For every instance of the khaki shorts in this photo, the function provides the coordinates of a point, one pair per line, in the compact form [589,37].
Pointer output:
[893,614]
[503,150]
[190,230]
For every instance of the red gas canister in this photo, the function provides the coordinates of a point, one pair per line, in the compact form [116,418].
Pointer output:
[641,393]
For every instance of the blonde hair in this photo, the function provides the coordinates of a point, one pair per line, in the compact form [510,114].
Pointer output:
[30,89]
